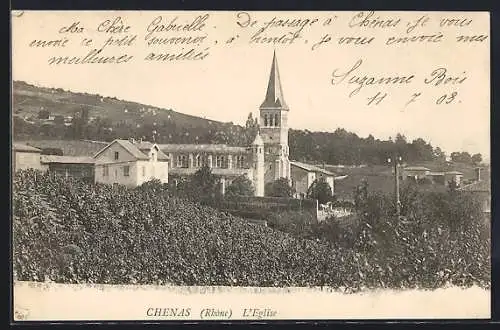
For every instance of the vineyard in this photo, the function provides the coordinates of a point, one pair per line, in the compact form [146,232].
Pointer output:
[69,231]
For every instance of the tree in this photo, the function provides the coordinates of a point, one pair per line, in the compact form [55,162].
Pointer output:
[439,154]
[203,186]
[476,158]
[43,114]
[279,188]
[241,186]
[361,194]
[251,129]
[461,157]
[320,190]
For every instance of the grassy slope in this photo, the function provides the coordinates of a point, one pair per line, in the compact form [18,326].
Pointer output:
[28,100]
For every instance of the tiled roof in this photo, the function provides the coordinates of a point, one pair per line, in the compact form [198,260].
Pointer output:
[416,168]
[311,168]
[145,147]
[130,147]
[70,147]
[45,159]
[24,148]
[436,173]
[214,148]
[454,173]
[215,171]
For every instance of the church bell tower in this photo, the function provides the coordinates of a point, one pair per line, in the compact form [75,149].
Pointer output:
[273,124]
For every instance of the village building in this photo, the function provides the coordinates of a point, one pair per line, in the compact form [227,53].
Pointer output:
[481,191]
[415,172]
[304,175]
[80,167]
[436,177]
[130,163]
[226,162]
[25,156]
[264,161]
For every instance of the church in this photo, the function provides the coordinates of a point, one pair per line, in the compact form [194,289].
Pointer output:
[131,162]
[266,160]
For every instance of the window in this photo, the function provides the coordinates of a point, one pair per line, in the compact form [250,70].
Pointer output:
[265,120]
[199,161]
[276,120]
[220,161]
[116,155]
[105,170]
[126,170]
[271,120]
[182,161]
[240,161]
[144,171]
[154,156]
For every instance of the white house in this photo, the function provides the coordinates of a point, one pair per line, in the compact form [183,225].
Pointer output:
[130,163]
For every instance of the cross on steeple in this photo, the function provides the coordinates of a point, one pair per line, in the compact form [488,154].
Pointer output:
[274,96]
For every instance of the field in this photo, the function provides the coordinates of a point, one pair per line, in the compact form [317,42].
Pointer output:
[51,301]
[68,231]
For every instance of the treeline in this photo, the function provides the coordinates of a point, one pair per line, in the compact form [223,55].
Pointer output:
[339,147]
[343,147]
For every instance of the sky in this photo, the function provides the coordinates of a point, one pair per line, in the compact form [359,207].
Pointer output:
[231,81]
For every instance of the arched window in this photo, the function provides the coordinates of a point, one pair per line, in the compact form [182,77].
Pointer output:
[265,120]
[276,120]
[271,120]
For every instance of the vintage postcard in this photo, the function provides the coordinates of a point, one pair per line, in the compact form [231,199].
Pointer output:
[233,165]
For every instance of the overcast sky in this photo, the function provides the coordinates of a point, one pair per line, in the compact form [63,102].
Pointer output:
[231,81]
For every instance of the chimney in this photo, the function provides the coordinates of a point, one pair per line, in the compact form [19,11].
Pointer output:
[477,172]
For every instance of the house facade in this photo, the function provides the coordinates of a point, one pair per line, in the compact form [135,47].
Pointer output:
[303,176]
[24,157]
[80,167]
[436,177]
[130,163]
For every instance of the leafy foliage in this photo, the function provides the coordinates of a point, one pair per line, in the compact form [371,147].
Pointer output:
[69,231]
[241,186]
[279,188]
[320,190]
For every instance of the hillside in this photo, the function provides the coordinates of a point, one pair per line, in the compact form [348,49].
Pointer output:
[53,113]
[28,100]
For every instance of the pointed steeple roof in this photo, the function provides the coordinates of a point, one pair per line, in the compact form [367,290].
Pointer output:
[274,96]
